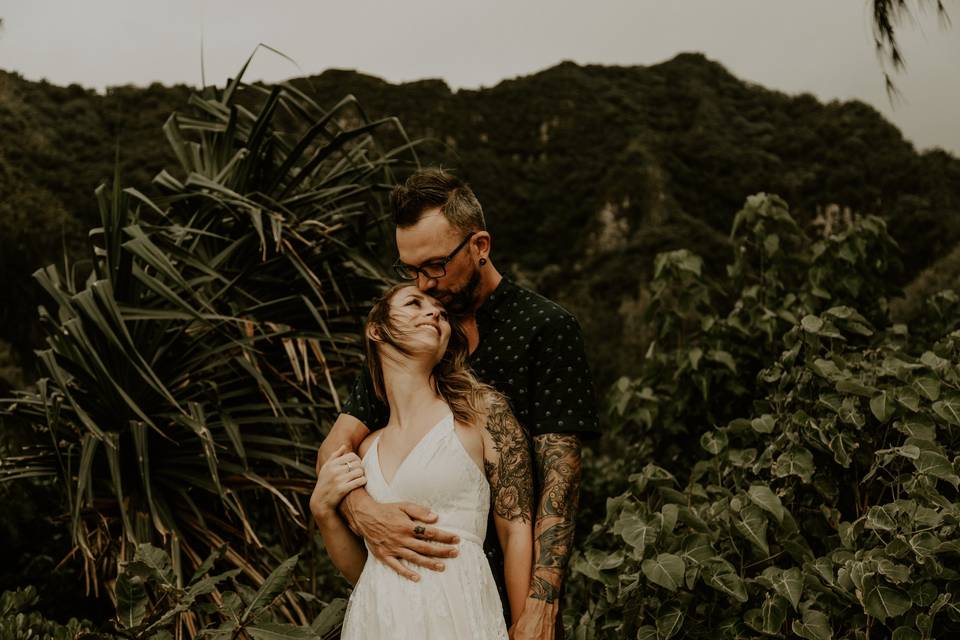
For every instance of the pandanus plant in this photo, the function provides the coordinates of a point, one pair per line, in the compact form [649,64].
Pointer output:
[187,379]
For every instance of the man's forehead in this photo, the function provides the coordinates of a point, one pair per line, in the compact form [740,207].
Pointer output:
[426,240]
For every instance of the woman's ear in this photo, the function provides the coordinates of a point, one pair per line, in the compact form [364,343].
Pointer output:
[373,333]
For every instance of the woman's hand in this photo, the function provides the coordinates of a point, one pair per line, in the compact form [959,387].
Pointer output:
[338,476]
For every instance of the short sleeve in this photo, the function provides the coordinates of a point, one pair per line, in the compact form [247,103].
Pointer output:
[563,393]
[364,405]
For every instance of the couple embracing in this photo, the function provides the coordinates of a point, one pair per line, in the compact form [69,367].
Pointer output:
[470,411]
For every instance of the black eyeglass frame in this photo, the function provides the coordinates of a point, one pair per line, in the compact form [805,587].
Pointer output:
[403,270]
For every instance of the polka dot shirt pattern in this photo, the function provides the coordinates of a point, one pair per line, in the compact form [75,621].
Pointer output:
[531,350]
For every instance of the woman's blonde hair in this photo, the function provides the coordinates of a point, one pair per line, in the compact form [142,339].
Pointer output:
[452,378]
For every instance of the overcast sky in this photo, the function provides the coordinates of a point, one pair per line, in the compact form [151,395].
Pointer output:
[820,46]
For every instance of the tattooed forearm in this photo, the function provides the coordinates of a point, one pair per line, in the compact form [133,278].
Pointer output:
[509,469]
[558,471]
[554,547]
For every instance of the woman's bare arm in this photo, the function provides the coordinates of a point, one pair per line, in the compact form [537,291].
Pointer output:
[342,473]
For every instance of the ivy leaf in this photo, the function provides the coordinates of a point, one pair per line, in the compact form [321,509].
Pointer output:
[934,361]
[826,369]
[856,388]
[924,544]
[882,406]
[752,525]
[669,623]
[879,519]
[763,424]
[774,614]
[896,573]
[697,548]
[949,409]
[917,427]
[909,398]
[824,568]
[928,387]
[811,324]
[906,633]
[665,570]
[936,464]
[720,575]
[850,412]
[762,496]
[647,632]
[796,461]
[813,626]
[789,584]
[636,531]
[841,445]
[714,441]
[882,600]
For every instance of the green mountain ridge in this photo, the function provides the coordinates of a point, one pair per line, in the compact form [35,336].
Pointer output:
[585,172]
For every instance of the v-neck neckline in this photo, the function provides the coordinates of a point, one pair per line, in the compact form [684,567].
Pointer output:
[422,439]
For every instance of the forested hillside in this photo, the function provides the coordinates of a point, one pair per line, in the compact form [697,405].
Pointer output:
[585,172]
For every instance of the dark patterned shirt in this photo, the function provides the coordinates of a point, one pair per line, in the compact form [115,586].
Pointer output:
[531,350]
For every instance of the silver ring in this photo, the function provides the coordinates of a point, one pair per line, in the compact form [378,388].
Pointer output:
[349,468]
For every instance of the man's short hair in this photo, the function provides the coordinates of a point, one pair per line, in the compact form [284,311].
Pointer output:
[432,188]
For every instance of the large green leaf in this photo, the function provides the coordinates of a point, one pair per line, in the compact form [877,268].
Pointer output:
[882,600]
[752,524]
[665,570]
[814,625]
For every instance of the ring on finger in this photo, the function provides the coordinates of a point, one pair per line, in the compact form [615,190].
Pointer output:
[419,530]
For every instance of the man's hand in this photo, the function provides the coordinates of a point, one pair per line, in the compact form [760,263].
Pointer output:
[537,622]
[398,531]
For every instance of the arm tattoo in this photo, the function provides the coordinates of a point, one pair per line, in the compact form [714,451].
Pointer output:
[511,472]
[558,471]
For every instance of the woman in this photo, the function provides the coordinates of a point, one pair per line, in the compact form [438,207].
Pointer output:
[451,444]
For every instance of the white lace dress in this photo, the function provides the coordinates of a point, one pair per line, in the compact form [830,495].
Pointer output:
[460,602]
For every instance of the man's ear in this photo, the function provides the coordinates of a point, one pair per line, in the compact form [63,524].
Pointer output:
[483,243]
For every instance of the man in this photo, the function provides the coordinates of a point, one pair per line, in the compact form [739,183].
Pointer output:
[527,347]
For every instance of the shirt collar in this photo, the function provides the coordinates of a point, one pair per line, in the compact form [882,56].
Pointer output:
[496,301]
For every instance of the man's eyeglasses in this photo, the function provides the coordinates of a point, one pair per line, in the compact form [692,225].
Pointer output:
[435,269]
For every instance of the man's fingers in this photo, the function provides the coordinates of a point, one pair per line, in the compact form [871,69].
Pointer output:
[434,535]
[416,512]
[422,561]
[401,570]
[434,550]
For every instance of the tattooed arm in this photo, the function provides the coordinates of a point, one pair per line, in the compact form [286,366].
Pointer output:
[557,457]
[506,461]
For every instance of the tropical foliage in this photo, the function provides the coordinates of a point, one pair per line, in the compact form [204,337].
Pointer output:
[187,379]
[611,164]
[824,502]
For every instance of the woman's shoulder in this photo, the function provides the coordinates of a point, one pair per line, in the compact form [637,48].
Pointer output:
[367,442]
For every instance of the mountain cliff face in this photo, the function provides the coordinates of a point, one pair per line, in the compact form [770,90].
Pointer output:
[584,172]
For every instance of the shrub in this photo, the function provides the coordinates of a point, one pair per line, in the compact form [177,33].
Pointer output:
[825,504]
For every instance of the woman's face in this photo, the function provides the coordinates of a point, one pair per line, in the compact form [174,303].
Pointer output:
[422,320]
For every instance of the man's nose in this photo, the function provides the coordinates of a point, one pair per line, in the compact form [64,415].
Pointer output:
[425,283]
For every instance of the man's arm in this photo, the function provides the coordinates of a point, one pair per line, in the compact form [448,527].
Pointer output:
[506,461]
[390,530]
[557,459]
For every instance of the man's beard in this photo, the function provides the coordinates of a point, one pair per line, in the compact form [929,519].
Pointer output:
[460,302]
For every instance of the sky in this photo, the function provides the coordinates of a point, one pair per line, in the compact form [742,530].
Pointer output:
[823,47]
